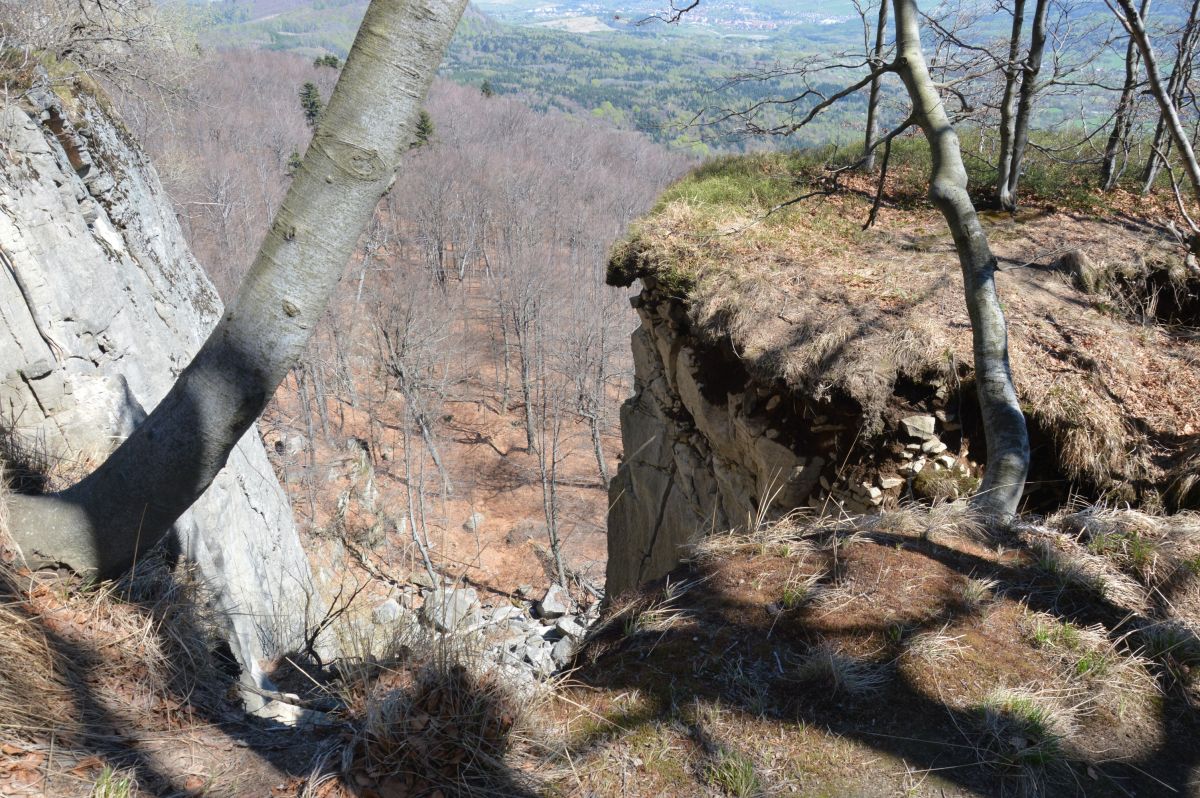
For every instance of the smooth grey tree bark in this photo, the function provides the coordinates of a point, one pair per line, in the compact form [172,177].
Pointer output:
[102,524]
[1012,71]
[1004,424]
[1117,145]
[873,97]
[1133,23]
[1020,133]
[1175,88]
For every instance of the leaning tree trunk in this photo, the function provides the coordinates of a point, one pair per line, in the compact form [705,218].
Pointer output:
[1175,88]
[873,97]
[1004,424]
[1007,105]
[1118,138]
[1166,104]
[103,523]
[1029,74]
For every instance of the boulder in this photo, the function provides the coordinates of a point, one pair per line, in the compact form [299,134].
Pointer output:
[555,603]
[387,612]
[449,609]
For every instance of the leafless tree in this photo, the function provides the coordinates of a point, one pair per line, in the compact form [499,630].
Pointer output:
[1175,90]
[1005,430]
[1116,150]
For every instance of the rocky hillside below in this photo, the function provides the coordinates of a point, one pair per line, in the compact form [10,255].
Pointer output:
[789,359]
[102,306]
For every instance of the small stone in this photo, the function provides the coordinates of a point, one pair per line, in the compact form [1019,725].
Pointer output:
[887,483]
[948,460]
[541,659]
[772,434]
[556,602]
[933,446]
[473,522]
[874,493]
[524,591]
[773,402]
[920,427]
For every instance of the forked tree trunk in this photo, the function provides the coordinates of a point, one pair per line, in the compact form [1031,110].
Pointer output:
[873,97]
[104,522]
[1118,137]
[1020,133]
[1004,424]
[1012,71]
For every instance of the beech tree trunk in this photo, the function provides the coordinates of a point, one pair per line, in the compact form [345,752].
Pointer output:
[1004,424]
[1020,133]
[873,97]
[1012,71]
[103,523]
[1176,86]
[1118,138]
[1170,116]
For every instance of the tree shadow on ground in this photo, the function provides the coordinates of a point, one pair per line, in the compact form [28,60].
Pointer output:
[734,651]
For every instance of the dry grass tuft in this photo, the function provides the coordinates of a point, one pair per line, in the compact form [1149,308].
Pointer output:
[841,672]
[1073,567]
[933,646]
[1154,550]
[433,727]
[147,639]
[1023,732]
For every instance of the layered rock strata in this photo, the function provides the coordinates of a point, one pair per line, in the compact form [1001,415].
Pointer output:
[101,307]
[708,448]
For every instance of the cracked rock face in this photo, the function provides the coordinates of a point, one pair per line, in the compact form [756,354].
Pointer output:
[101,306]
[693,465]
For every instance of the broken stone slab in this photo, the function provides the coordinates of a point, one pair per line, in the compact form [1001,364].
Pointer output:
[921,426]
[506,614]
[887,483]
[387,612]
[933,446]
[555,603]
[289,714]
[570,628]
[563,652]
[451,609]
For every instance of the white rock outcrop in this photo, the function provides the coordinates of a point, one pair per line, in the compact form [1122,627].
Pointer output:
[101,306]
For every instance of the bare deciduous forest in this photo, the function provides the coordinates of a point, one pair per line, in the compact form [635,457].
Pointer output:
[474,355]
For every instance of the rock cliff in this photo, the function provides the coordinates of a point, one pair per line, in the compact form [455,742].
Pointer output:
[790,360]
[101,306]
